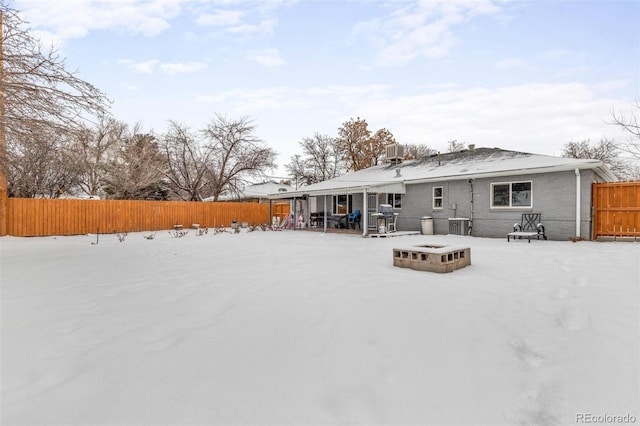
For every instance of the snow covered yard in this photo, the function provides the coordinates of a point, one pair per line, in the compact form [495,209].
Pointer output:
[310,328]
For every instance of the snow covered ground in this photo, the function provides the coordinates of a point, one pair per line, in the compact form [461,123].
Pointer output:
[308,328]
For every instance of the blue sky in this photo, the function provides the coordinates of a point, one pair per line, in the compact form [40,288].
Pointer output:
[522,75]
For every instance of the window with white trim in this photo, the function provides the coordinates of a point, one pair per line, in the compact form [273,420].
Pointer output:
[437,197]
[342,204]
[511,194]
[395,200]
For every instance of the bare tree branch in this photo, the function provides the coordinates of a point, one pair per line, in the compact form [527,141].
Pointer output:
[606,150]
[40,93]
[320,160]
[186,162]
[238,155]
[629,124]
[413,151]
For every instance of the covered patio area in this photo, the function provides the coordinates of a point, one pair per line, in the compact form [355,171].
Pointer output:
[346,213]
[329,206]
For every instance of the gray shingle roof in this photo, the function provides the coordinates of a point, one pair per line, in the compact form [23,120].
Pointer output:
[466,164]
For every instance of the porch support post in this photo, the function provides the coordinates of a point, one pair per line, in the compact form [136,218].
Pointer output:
[365,213]
[577,203]
[295,214]
[325,218]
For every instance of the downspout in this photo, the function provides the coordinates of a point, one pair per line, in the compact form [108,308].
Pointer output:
[365,215]
[471,211]
[577,203]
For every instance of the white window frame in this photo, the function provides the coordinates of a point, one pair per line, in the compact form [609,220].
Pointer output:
[511,206]
[434,198]
[334,207]
[394,197]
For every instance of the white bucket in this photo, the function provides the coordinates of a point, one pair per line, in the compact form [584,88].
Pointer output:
[382,229]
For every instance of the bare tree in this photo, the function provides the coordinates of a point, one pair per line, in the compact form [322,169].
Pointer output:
[187,161]
[41,166]
[137,169]
[455,146]
[320,160]
[40,94]
[297,170]
[413,151]
[630,125]
[606,150]
[237,155]
[95,149]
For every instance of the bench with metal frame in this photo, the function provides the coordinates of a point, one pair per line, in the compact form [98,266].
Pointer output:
[530,226]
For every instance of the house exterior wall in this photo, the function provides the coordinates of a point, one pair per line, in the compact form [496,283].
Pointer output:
[553,195]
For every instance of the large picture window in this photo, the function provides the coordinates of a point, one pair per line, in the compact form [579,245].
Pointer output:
[511,194]
[437,198]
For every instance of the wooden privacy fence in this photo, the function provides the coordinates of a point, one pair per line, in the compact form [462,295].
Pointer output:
[616,209]
[41,217]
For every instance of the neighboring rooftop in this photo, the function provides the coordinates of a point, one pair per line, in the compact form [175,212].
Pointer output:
[256,191]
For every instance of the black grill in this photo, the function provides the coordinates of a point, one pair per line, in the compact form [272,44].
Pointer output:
[386,210]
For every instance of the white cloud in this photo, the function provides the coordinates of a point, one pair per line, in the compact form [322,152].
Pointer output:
[182,68]
[220,18]
[419,29]
[243,18]
[75,18]
[145,67]
[170,68]
[263,26]
[523,117]
[268,57]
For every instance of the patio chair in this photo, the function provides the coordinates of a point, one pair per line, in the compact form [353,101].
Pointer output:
[353,219]
[529,226]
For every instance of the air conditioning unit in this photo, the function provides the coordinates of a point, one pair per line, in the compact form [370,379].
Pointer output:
[394,153]
[459,226]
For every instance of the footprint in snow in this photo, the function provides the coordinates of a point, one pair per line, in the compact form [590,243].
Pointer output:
[526,353]
[542,407]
